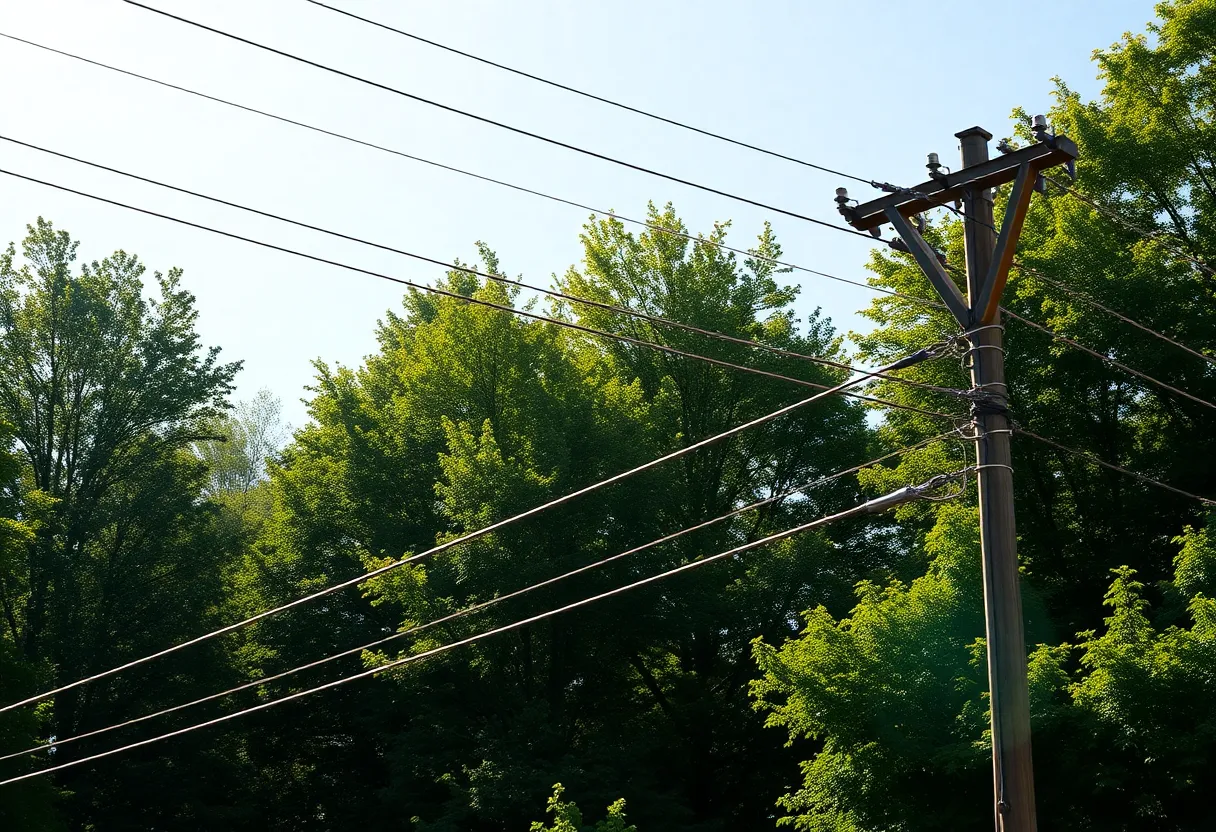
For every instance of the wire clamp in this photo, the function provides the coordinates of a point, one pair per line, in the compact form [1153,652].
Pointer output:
[988,403]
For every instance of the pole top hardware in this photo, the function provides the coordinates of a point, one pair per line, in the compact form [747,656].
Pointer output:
[935,168]
[944,188]
[973,131]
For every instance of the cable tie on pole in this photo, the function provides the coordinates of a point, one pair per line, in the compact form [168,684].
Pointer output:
[981,328]
[990,405]
[1009,468]
[977,433]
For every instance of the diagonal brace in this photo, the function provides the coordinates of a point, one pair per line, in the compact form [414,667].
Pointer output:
[985,305]
[926,257]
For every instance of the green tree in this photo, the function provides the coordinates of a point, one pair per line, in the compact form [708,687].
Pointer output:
[466,415]
[567,817]
[106,391]
[894,698]
[244,441]
[888,699]
[28,805]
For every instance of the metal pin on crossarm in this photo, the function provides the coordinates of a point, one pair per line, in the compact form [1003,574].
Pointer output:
[989,257]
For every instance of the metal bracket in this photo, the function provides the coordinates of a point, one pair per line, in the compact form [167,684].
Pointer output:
[926,257]
[952,186]
[985,306]
[1021,166]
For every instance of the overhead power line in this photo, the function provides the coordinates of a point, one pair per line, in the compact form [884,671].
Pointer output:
[610,307]
[1086,455]
[902,296]
[1147,234]
[1077,345]
[59,742]
[592,96]
[914,358]
[523,313]
[1119,365]
[875,506]
[502,125]
[489,179]
[523,189]
[1090,301]
[1077,294]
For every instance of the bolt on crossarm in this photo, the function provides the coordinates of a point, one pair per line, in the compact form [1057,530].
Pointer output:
[989,256]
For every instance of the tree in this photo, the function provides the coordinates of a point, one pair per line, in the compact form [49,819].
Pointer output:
[894,697]
[106,391]
[887,700]
[246,440]
[466,415]
[29,805]
[567,817]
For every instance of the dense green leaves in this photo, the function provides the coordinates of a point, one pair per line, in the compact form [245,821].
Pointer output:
[468,415]
[834,682]
[114,555]
[891,697]
[567,818]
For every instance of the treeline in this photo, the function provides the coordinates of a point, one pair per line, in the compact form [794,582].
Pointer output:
[835,680]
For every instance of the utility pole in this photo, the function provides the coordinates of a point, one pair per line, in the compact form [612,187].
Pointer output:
[988,261]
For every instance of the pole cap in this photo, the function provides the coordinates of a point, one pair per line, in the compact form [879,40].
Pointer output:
[973,131]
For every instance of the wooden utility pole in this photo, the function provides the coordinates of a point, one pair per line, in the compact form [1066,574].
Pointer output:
[988,261]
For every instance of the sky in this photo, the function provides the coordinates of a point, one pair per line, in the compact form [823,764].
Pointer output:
[865,88]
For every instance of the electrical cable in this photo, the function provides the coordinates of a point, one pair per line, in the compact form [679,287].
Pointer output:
[1076,293]
[624,310]
[521,188]
[1157,236]
[522,313]
[1107,359]
[1087,299]
[475,608]
[1097,461]
[502,125]
[875,506]
[1090,351]
[591,96]
[923,354]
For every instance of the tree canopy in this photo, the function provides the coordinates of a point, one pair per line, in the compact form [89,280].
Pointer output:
[831,682]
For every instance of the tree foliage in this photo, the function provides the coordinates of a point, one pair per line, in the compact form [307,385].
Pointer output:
[833,682]
[889,701]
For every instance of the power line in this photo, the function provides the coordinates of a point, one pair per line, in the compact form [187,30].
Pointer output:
[1119,365]
[1077,293]
[626,339]
[1146,234]
[875,506]
[502,125]
[914,358]
[901,296]
[1097,461]
[624,310]
[451,168]
[1107,359]
[475,608]
[1087,299]
[592,96]
[1071,292]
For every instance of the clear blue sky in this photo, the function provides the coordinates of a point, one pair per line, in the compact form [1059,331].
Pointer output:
[863,87]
